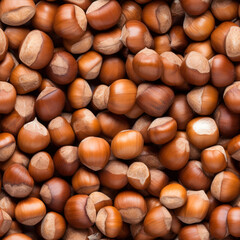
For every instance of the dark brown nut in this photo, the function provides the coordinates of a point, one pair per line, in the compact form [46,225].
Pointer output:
[24,79]
[136,36]
[17,13]
[81,45]
[108,42]
[70,22]
[154,99]
[50,103]
[62,69]
[89,65]
[228,122]
[55,192]
[36,50]
[193,177]
[103,14]
[222,71]
[157,16]
[181,111]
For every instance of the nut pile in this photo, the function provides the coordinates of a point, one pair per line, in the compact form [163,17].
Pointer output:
[120,119]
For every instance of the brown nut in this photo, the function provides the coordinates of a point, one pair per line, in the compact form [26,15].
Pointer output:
[162,44]
[181,111]
[85,124]
[7,97]
[44,17]
[103,14]
[62,69]
[3,44]
[132,206]
[214,159]
[33,137]
[24,79]
[17,13]
[202,132]
[177,148]
[147,64]
[157,16]
[138,175]
[195,69]
[154,99]
[81,45]
[55,193]
[61,132]
[203,100]
[136,36]
[84,211]
[205,48]
[195,209]
[41,167]
[6,67]
[108,42]
[199,231]
[17,181]
[70,22]
[127,144]
[85,182]
[53,226]
[30,211]
[162,130]
[195,7]
[36,50]
[171,69]
[100,200]
[117,172]
[199,28]
[231,97]
[89,65]
[94,153]
[66,160]
[225,186]
[173,196]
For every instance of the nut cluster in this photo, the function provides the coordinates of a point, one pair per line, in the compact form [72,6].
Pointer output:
[119,119]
